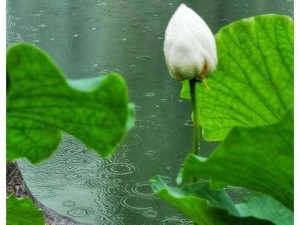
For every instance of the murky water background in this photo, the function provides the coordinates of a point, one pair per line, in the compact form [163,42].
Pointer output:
[91,37]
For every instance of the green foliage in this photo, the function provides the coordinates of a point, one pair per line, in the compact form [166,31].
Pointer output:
[248,106]
[253,82]
[206,206]
[203,205]
[265,207]
[41,104]
[258,158]
[22,211]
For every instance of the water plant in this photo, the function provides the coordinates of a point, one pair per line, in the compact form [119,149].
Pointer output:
[248,108]
[245,102]
[42,104]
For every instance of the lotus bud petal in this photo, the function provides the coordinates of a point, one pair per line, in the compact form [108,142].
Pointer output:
[189,46]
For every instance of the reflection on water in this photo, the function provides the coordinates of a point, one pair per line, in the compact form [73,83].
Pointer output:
[89,38]
[79,184]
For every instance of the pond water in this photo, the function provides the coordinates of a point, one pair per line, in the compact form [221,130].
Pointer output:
[93,37]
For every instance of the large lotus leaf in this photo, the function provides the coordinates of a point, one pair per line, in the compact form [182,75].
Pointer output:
[253,82]
[22,211]
[202,205]
[257,158]
[265,207]
[41,103]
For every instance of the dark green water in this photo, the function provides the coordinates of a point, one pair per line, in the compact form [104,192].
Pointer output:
[91,37]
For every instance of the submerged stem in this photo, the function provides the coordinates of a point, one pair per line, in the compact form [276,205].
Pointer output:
[196,132]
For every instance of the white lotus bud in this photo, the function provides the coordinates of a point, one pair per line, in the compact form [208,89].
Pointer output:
[189,47]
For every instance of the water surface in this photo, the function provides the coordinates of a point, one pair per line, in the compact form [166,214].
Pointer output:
[93,37]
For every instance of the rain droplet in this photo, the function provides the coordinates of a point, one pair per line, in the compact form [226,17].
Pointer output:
[144,58]
[172,221]
[153,116]
[188,123]
[149,94]
[120,168]
[124,29]
[79,212]
[137,202]
[75,160]
[97,183]
[72,176]
[143,190]
[106,219]
[150,214]
[150,152]
[69,151]
[68,203]
[36,15]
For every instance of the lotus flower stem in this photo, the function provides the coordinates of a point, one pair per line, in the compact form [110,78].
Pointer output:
[196,132]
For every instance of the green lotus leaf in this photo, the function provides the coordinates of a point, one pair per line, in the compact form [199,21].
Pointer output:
[22,211]
[203,205]
[265,207]
[42,103]
[253,82]
[257,158]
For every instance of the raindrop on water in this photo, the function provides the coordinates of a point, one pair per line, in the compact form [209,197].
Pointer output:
[97,183]
[188,123]
[150,214]
[68,203]
[120,168]
[150,152]
[124,29]
[137,202]
[172,221]
[72,176]
[143,190]
[144,58]
[76,160]
[79,212]
[149,94]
